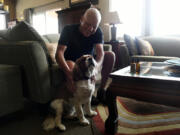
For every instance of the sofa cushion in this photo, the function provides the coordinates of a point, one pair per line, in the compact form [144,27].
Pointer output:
[11,91]
[52,38]
[3,33]
[131,45]
[144,47]
[52,50]
[45,39]
[24,32]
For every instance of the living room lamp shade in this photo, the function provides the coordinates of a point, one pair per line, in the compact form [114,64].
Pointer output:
[112,18]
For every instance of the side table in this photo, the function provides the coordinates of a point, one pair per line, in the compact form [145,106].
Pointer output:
[115,48]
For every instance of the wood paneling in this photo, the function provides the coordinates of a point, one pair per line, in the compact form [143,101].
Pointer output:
[70,15]
[12,8]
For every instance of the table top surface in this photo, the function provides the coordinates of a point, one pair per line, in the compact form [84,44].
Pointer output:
[149,70]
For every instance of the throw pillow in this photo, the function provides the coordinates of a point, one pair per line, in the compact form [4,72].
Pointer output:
[52,47]
[25,32]
[131,45]
[144,47]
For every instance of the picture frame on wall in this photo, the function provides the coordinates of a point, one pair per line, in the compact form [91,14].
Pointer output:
[73,3]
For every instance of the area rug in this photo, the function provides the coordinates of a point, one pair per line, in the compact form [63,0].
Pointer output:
[141,118]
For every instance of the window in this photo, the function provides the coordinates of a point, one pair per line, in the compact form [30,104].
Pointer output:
[130,14]
[165,18]
[46,22]
[148,17]
[2,21]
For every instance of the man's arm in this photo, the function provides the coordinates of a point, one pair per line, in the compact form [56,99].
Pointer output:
[67,67]
[99,54]
[60,58]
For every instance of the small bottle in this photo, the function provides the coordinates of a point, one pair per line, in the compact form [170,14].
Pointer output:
[137,67]
[133,67]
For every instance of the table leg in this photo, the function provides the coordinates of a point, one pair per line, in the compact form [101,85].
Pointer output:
[111,122]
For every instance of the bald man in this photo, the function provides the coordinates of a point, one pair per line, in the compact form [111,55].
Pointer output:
[79,39]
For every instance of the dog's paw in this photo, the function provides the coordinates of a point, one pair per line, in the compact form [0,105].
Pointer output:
[61,127]
[84,122]
[92,113]
[48,124]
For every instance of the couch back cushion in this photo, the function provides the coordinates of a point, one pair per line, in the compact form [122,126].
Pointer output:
[165,45]
[144,47]
[3,33]
[131,45]
[52,38]
[52,47]
[25,32]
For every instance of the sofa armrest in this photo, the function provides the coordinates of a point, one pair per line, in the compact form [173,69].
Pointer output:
[151,58]
[31,57]
[107,47]
[123,56]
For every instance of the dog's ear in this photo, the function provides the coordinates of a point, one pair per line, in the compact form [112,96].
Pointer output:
[77,74]
[78,71]
[82,58]
[81,63]
[80,67]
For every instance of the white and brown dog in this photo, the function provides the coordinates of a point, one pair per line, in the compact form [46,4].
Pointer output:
[84,71]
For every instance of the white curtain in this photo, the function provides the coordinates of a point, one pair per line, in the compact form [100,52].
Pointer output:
[147,17]
[165,17]
[2,22]
[131,15]
[28,15]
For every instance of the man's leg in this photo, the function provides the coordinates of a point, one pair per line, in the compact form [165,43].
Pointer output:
[70,64]
[108,64]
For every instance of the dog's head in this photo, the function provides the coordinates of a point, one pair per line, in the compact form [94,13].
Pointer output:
[85,68]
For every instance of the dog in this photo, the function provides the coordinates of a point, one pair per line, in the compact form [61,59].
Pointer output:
[79,102]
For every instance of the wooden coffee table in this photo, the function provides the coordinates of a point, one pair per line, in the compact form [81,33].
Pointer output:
[153,84]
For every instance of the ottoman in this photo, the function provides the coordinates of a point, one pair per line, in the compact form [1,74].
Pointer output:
[11,97]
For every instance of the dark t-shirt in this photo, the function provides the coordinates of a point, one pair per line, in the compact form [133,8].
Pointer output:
[77,44]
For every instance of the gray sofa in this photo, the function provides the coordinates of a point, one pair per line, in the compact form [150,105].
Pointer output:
[22,46]
[165,47]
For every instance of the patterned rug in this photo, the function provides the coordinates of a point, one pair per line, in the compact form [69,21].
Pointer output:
[141,118]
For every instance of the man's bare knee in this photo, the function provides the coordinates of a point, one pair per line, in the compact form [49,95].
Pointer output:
[109,56]
[70,64]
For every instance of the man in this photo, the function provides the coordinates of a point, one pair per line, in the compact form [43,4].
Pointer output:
[79,39]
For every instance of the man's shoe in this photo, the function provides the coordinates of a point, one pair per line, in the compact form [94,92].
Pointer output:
[101,96]
[94,101]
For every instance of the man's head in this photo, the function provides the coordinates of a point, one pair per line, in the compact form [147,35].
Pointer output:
[90,22]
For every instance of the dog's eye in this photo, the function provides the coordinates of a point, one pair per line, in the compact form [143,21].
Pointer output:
[90,59]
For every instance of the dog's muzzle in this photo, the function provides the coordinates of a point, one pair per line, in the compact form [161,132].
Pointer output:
[91,62]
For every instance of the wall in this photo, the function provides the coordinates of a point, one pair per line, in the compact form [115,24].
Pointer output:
[104,8]
[23,4]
